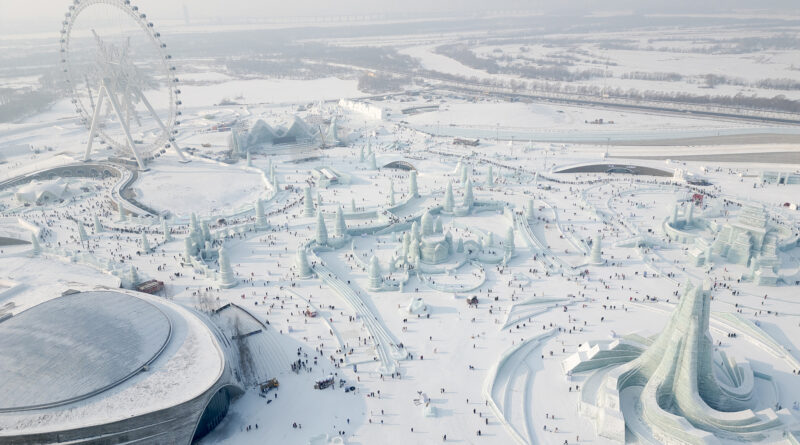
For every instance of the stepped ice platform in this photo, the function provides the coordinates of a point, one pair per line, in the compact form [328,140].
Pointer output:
[678,389]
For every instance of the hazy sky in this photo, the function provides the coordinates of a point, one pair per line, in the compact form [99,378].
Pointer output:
[42,15]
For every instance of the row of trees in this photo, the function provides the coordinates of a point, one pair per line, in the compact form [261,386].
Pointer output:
[786,84]
[776,103]
[18,103]
[377,83]
[463,54]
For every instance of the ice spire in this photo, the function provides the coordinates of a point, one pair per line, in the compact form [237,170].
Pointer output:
[122,216]
[133,276]
[468,198]
[165,229]
[98,227]
[308,202]
[412,184]
[188,248]
[301,261]
[427,223]
[489,176]
[82,232]
[448,198]
[437,225]
[391,193]
[37,248]
[261,221]
[340,227]
[596,256]
[226,276]
[322,231]
[145,243]
[193,226]
[375,280]
[529,212]
[204,231]
[509,243]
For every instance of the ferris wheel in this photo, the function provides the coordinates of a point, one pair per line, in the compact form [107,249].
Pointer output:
[121,79]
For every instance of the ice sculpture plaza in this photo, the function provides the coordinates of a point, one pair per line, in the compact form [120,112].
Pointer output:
[382,229]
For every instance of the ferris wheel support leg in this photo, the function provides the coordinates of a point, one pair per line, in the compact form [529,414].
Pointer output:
[172,142]
[95,117]
[115,105]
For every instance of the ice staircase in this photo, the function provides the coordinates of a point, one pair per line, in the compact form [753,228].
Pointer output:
[387,348]
[509,388]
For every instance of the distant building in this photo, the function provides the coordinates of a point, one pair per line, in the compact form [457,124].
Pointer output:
[773,177]
[263,134]
[150,286]
[368,110]
[467,142]
[39,192]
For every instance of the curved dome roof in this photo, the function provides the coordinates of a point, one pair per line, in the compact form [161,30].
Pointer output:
[75,346]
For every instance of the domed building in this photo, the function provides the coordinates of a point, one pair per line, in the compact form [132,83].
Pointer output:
[111,367]
[435,246]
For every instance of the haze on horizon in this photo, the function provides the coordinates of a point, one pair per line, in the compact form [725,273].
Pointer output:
[33,16]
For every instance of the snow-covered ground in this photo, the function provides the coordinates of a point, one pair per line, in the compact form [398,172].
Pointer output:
[548,286]
[208,188]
